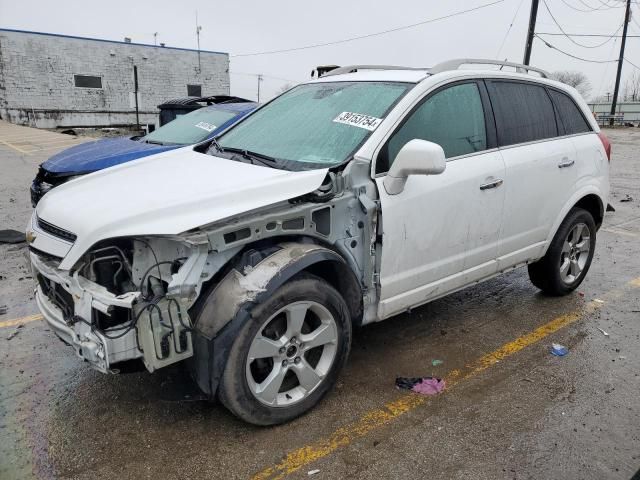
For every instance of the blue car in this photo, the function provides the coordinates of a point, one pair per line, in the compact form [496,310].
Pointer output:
[188,129]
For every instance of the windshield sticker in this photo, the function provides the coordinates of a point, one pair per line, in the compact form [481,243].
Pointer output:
[358,120]
[206,126]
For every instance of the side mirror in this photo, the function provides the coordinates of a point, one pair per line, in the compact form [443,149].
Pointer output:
[417,157]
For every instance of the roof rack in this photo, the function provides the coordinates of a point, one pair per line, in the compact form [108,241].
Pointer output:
[456,64]
[355,68]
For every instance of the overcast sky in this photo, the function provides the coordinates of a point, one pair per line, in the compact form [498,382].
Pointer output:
[239,27]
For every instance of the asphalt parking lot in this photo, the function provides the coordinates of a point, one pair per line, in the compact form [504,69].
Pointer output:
[510,409]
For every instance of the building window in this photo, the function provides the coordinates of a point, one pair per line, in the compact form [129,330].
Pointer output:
[194,90]
[87,81]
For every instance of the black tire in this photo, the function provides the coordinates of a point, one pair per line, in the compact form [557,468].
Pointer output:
[234,391]
[545,273]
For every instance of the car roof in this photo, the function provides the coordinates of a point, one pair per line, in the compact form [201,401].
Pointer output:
[450,69]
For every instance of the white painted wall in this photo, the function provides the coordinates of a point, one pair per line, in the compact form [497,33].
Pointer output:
[37,79]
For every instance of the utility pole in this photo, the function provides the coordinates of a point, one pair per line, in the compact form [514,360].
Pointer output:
[259,80]
[198,28]
[530,33]
[135,94]
[155,38]
[620,61]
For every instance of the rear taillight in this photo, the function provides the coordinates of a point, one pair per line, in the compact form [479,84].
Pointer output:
[606,144]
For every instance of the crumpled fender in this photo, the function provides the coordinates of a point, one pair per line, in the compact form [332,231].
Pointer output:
[227,307]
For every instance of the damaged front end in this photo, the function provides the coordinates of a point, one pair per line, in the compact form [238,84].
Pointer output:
[125,301]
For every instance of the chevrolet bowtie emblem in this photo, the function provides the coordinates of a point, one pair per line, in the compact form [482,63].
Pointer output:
[31,236]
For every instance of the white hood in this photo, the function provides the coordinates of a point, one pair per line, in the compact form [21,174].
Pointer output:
[166,194]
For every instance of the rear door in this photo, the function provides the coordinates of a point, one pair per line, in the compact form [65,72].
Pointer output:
[540,167]
[442,231]
[590,159]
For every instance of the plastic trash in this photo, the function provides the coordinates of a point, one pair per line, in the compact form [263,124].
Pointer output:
[421,385]
[559,350]
[603,332]
[313,472]
[435,363]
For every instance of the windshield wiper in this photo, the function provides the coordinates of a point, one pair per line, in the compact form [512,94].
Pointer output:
[154,142]
[215,143]
[252,156]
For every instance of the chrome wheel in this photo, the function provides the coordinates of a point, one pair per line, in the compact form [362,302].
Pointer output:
[291,354]
[575,253]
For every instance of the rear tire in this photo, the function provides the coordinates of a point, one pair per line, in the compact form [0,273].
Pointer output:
[288,354]
[569,256]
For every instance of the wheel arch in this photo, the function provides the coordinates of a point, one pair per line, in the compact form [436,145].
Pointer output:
[589,198]
[255,275]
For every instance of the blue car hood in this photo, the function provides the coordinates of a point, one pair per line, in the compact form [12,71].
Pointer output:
[107,152]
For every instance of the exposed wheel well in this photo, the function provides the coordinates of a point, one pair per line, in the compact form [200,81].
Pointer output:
[340,276]
[592,204]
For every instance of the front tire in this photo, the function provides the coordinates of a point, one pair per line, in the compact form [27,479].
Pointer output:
[569,256]
[289,353]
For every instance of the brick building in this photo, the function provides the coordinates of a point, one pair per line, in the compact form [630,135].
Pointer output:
[60,81]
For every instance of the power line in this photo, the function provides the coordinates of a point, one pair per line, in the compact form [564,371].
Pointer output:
[265,76]
[585,35]
[631,63]
[571,39]
[571,55]
[609,38]
[504,40]
[369,35]
[579,9]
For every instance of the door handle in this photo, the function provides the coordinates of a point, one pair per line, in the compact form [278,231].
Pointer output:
[494,184]
[566,163]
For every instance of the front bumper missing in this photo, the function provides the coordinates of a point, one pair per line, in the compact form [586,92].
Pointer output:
[100,352]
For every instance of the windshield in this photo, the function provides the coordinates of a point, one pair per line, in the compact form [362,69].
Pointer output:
[320,124]
[190,128]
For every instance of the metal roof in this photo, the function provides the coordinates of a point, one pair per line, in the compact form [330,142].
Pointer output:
[108,41]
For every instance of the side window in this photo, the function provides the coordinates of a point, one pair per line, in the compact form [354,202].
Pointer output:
[523,111]
[570,115]
[453,118]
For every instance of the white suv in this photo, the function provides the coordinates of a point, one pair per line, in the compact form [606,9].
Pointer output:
[344,201]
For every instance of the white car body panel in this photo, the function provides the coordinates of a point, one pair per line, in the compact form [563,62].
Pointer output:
[188,190]
[441,232]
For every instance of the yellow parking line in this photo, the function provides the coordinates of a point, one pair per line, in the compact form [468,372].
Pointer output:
[14,147]
[47,142]
[20,321]
[53,147]
[380,417]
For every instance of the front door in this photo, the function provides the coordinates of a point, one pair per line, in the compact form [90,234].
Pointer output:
[442,231]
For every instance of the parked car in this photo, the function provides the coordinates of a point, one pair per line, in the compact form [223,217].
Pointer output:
[344,201]
[89,157]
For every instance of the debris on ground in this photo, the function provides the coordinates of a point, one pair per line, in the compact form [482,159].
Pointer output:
[628,198]
[559,350]
[435,363]
[597,300]
[12,236]
[14,333]
[421,385]
[313,472]
[3,309]
[603,332]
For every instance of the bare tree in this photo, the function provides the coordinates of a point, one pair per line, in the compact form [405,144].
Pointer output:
[284,88]
[577,80]
[632,88]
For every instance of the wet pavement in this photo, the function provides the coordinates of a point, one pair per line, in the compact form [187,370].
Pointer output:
[510,410]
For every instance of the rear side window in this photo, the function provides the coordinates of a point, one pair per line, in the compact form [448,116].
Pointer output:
[453,118]
[571,117]
[524,112]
